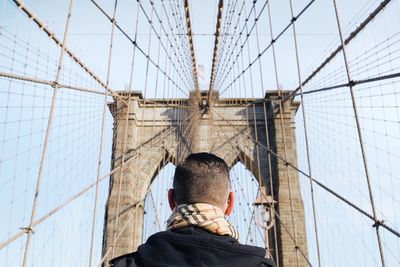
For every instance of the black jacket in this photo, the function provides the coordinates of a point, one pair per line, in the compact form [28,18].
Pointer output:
[192,246]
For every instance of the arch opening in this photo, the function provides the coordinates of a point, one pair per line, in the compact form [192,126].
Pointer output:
[156,208]
[249,219]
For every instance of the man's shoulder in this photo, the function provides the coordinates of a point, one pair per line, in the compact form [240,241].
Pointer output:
[126,260]
[197,237]
[181,248]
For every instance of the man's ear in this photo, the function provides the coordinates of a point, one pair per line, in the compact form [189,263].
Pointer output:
[171,198]
[231,203]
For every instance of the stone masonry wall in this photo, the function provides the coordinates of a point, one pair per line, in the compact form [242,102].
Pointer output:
[230,129]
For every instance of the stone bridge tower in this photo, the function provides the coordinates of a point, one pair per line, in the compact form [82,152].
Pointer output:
[162,131]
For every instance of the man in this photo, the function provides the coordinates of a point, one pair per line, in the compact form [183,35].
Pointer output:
[197,232]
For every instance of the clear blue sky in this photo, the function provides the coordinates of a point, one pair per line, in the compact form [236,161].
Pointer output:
[347,238]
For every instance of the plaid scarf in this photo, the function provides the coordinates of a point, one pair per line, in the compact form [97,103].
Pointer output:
[205,216]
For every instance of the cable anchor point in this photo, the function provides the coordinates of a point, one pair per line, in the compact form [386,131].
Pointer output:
[27,230]
[378,223]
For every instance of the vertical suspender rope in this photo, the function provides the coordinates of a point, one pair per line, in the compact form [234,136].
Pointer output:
[124,148]
[225,29]
[109,66]
[39,181]
[102,137]
[288,176]
[225,68]
[275,212]
[305,133]
[360,136]
[226,58]
[271,183]
[115,236]
[254,116]
[152,151]
[255,127]
[346,41]
[253,108]
[138,203]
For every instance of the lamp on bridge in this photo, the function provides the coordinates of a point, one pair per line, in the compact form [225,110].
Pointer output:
[265,216]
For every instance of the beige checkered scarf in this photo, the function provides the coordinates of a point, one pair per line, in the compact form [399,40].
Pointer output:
[205,216]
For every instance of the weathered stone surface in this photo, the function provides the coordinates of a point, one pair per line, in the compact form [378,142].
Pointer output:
[160,131]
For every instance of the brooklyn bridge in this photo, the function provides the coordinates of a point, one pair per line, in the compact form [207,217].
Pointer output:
[100,100]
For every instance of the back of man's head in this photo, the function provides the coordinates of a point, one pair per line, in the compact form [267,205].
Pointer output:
[202,178]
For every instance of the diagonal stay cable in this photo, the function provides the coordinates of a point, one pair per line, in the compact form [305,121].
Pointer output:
[138,47]
[25,78]
[242,132]
[102,139]
[227,26]
[353,83]
[136,204]
[307,6]
[133,155]
[323,186]
[352,35]
[52,36]
[230,56]
[181,33]
[226,33]
[360,135]
[248,34]
[158,35]
[306,136]
[226,57]
[40,177]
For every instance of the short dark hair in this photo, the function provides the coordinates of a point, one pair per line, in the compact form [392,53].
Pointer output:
[202,178]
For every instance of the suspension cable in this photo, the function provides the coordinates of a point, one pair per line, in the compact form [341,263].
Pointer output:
[352,35]
[247,36]
[40,176]
[303,109]
[377,223]
[257,143]
[158,35]
[271,183]
[52,36]
[190,36]
[307,6]
[360,135]
[141,50]
[216,48]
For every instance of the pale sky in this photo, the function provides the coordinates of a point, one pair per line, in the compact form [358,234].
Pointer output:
[347,238]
